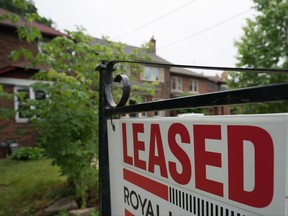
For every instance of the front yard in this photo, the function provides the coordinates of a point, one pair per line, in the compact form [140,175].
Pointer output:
[27,187]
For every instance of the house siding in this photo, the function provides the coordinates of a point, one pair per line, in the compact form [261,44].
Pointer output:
[9,42]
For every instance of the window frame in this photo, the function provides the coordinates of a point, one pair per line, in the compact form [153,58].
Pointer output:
[155,74]
[178,84]
[193,86]
[17,103]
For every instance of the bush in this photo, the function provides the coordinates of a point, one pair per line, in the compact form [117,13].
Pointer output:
[28,153]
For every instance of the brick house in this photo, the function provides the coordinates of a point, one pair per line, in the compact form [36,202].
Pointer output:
[14,76]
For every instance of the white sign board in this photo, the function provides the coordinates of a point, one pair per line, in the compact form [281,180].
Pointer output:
[211,165]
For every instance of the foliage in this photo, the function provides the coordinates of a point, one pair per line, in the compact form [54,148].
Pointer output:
[25,8]
[28,187]
[29,33]
[5,112]
[263,45]
[26,11]
[28,153]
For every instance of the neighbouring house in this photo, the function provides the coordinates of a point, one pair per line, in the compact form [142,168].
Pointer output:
[175,82]
[15,77]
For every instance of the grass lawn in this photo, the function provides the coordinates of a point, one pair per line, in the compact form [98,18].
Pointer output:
[26,187]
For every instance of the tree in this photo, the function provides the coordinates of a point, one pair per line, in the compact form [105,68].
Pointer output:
[263,45]
[68,118]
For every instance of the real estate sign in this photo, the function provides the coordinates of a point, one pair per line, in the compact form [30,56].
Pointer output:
[214,165]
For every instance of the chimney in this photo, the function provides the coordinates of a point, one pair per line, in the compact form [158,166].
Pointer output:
[152,45]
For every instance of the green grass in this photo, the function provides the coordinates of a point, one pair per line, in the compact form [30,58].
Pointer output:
[27,187]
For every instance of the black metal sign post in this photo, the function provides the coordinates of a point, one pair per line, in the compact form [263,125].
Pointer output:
[106,102]
[104,186]
[107,107]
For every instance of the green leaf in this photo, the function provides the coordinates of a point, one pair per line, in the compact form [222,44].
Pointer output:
[29,33]
[31,17]
[14,55]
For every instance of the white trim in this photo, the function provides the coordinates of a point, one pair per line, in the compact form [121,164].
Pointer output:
[195,84]
[20,82]
[155,74]
[177,79]
[16,103]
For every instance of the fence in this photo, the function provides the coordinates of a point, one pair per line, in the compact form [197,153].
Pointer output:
[108,108]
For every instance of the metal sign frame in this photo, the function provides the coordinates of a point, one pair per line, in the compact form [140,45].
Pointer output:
[107,107]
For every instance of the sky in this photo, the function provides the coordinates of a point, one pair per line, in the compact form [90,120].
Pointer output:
[190,32]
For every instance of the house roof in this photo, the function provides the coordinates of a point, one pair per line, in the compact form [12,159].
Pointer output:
[155,58]
[48,31]
[129,49]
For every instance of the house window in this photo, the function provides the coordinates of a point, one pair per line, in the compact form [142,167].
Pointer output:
[193,85]
[21,106]
[176,84]
[153,74]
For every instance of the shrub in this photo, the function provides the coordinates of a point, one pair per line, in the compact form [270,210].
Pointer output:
[28,153]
